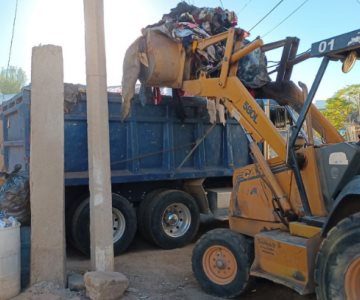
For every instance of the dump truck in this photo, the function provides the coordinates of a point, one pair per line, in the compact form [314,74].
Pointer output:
[156,153]
[185,163]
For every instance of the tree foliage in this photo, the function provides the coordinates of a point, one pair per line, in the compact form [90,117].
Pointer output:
[12,80]
[342,104]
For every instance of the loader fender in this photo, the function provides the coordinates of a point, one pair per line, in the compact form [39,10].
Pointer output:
[346,204]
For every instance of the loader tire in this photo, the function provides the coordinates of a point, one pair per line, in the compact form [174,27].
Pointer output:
[124,225]
[172,219]
[337,271]
[221,262]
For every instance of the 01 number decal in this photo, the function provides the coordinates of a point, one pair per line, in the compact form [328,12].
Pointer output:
[326,45]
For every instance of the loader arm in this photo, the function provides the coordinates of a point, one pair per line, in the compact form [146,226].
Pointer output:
[230,88]
[252,117]
[244,107]
[286,92]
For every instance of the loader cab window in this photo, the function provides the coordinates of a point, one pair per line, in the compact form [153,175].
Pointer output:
[283,117]
[279,117]
[278,114]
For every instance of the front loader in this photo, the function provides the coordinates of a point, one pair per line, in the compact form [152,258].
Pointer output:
[294,219]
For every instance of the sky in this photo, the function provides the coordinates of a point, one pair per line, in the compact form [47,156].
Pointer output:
[61,22]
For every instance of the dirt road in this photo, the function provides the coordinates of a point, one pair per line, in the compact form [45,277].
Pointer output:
[166,274]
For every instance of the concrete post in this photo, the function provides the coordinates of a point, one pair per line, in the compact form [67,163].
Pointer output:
[101,231]
[47,166]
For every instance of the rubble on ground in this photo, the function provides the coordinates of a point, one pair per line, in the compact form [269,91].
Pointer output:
[49,291]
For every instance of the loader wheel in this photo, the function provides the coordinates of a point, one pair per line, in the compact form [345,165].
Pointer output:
[337,272]
[172,219]
[124,225]
[221,262]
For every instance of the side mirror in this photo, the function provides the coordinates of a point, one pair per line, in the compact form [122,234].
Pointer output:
[349,62]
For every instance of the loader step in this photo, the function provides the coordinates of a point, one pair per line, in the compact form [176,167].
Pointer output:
[286,259]
[314,221]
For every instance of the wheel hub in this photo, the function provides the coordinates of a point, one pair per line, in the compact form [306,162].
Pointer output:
[172,219]
[352,277]
[176,220]
[119,224]
[219,264]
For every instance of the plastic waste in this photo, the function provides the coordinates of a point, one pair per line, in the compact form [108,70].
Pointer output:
[15,197]
[6,221]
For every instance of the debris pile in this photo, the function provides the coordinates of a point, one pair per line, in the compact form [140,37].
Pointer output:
[165,54]
[15,195]
[186,23]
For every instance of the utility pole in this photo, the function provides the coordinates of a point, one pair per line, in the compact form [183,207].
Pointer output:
[358,105]
[101,231]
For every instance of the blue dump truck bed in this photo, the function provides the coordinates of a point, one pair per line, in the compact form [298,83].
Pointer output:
[167,167]
[152,144]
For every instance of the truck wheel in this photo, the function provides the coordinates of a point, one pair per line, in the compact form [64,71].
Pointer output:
[337,271]
[221,262]
[172,219]
[124,225]
[142,211]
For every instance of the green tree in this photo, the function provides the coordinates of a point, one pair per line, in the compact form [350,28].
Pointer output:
[342,104]
[12,80]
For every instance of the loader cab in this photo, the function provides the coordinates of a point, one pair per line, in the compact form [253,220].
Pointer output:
[338,165]
[329,158]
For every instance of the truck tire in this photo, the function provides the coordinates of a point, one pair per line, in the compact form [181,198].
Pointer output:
[337,270]
[221,262]
[124,225]
[171,219]
[142,209]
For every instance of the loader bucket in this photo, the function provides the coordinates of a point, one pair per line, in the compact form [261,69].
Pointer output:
[166,59]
